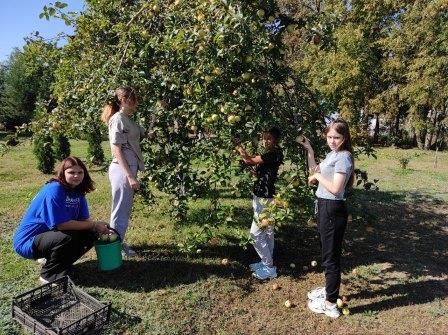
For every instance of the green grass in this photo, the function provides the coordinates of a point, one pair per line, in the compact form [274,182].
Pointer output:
[395,259]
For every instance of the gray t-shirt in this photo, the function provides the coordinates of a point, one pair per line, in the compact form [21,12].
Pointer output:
[334,162]
[125,132]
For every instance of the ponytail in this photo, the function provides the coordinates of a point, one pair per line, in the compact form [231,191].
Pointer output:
[113,105]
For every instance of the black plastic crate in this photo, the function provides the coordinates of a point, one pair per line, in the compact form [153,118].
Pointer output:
[59,307]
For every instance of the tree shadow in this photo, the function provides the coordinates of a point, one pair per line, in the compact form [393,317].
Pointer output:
[163,266]
[399,295]
[407,231]
[401,230]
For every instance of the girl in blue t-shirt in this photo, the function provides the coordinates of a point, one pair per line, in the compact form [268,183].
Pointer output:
[56,225]
[334,174]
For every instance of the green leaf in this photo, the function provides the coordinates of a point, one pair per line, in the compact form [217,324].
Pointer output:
[60,5]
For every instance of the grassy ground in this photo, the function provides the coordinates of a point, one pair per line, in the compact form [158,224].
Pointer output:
[395,260]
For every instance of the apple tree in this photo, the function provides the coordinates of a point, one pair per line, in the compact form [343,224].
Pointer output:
[209,73]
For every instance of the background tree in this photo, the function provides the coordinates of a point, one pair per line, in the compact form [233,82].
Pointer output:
[29,78]
[418,50]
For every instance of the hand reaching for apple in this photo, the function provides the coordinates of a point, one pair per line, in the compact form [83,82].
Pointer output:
[240,149]
[312,180]
[305,142]
[102,227]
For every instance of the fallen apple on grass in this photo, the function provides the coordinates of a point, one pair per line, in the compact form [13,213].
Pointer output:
[345,311]
[292,265]
[275,286]
[313,264]
[225,261]
[288,304]
[340,303]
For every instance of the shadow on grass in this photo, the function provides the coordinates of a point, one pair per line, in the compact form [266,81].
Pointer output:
[399,295]
[408,231]
[403,230]
[163,266]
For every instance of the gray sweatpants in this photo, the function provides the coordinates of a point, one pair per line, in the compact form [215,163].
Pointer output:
[263,238]
[122,198]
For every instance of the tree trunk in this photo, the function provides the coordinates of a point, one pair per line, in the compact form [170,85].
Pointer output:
[376,131]
[432,119]
[397,124]
[418,138]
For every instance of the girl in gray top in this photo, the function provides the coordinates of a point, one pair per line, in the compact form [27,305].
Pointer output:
[334,174]
[127,159]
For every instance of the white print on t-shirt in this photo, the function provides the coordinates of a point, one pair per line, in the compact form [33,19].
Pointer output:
[71,202]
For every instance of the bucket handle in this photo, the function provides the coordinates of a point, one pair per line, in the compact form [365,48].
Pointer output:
[116,232]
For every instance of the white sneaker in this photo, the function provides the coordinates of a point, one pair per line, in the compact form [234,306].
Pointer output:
[265,272]
[126,251]
[319,306]
[255,266]
[43,281]
[317,293]
[41,261]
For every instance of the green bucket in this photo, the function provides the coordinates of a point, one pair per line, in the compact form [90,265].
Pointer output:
[108,254]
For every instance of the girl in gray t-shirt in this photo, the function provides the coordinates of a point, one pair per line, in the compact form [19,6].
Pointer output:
[127,159]
[332,175]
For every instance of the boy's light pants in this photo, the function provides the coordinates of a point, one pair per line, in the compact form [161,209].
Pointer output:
[263,238]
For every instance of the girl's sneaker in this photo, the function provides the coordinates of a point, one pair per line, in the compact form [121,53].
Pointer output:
[41,261]
[126,251]
[255,266]
[317,293]
[265,272]
[319,306]
[43,281]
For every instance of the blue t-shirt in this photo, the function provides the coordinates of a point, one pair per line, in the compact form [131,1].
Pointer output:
[53,205]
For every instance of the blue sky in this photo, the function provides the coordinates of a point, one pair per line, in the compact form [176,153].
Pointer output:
[19,18]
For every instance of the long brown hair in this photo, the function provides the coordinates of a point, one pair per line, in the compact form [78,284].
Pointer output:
[342,128]
[113,105]
[85,186]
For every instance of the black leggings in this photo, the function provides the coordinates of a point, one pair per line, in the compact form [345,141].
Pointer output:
[61,249]
[331,223]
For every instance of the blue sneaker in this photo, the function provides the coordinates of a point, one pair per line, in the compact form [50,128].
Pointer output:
[255,266]
[265,272]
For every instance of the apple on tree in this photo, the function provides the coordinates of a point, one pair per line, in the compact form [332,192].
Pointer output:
[246,76]
[260,13]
